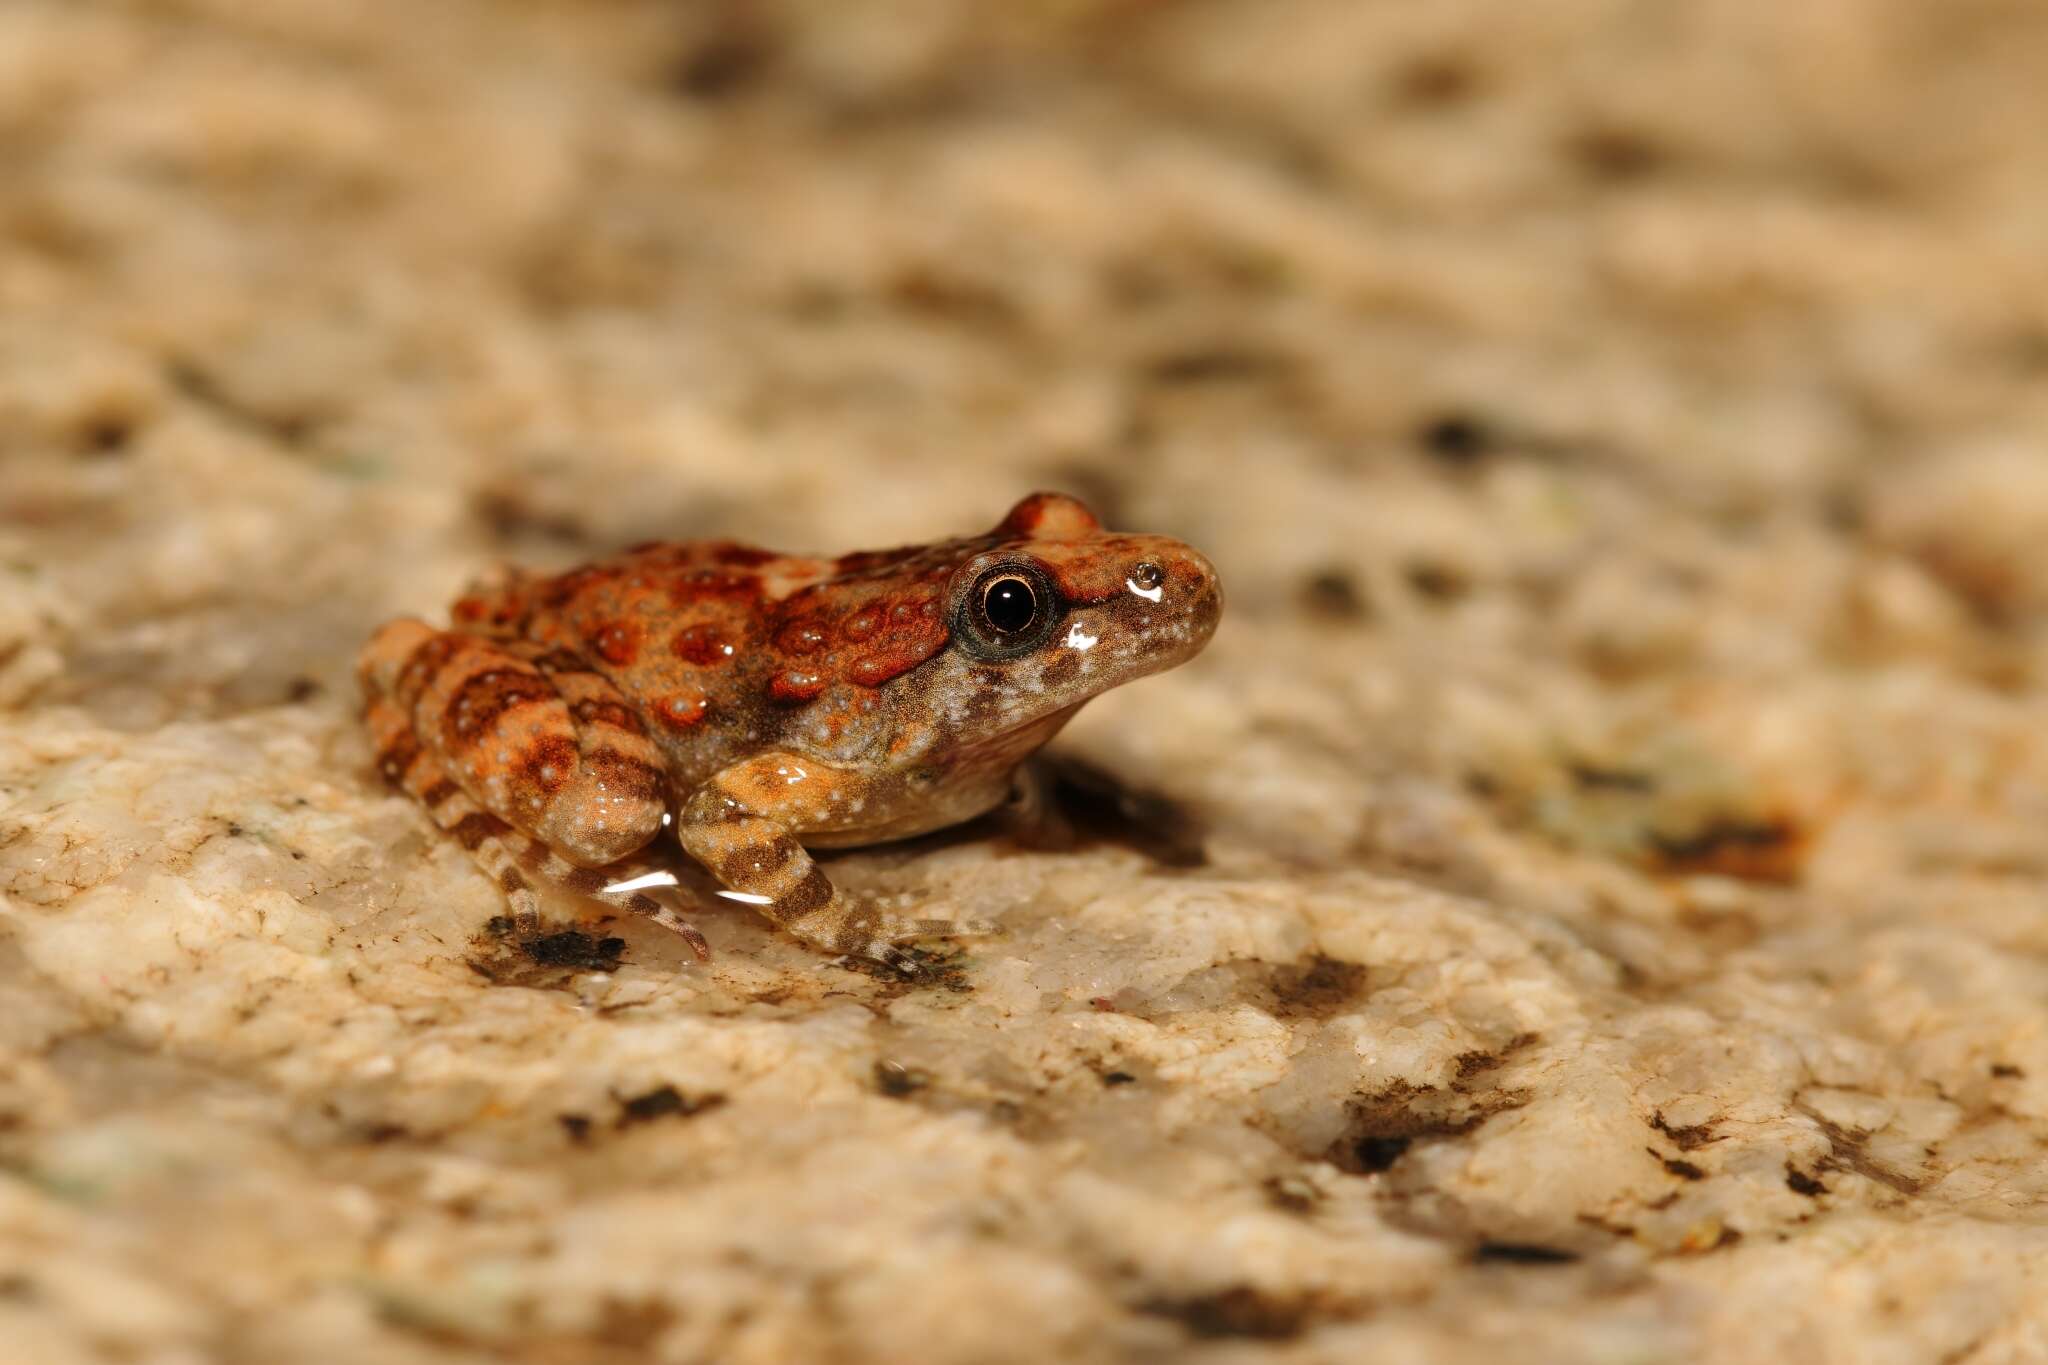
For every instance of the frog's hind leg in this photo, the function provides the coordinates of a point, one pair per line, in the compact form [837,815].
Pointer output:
[521,865]
[524,753]
[531,734]
[419,772]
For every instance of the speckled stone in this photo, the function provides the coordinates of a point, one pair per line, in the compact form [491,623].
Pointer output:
[1588,904]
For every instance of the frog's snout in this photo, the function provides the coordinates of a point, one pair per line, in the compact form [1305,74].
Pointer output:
[1170,605]
[1194,592]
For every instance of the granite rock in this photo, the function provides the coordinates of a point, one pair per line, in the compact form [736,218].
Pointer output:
[1587,904]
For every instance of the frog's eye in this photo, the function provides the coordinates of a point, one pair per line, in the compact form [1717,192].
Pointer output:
[1008,605]
[1008,610]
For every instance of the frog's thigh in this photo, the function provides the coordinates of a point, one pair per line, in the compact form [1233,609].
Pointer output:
[541,742]
[743,825]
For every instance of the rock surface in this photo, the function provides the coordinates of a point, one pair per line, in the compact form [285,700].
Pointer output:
[1587,905]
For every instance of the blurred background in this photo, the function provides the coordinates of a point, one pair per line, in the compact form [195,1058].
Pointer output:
[1622,430]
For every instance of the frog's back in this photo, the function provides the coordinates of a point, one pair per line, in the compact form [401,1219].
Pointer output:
[723,648]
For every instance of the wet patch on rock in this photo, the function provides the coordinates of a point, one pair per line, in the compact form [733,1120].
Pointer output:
[1244,1312]
[1315,988]
[663,1102]
[549,960]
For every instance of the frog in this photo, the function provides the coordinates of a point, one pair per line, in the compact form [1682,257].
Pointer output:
[765,705]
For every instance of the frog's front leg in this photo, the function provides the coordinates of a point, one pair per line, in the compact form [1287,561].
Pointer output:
[744,826]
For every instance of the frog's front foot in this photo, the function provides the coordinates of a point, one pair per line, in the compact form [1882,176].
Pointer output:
[865,930]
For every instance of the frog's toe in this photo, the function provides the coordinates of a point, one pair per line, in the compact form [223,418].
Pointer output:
[899,960]
[910,930]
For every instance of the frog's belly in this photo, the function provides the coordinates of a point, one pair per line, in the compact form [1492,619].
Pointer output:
[931,811]
[904,803]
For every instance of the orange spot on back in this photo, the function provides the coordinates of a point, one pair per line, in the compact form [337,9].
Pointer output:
[806,635]
[877,669]
[795,685]
[903,636]
[683,709]
[701,645]
[616,642]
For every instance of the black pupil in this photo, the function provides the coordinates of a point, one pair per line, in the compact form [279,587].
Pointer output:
[1008,605]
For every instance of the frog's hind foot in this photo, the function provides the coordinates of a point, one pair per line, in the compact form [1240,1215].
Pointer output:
[870,933]
[640,903]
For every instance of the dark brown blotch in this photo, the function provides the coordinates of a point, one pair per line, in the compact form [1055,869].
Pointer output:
[1687,1135]
[597,711]
[422,666]
[734,555]
[472,829]
[562,661]
[1678,1166]
[664,1102]
[1522,1253]
[484,697]
[1766,850]
[398,756]
[1240,1311]
[1316,988]
[575,949]
[742,865]
[812,893]
[584,881]
[1333,594]
[623,776]
[548,763]
[1799,1182]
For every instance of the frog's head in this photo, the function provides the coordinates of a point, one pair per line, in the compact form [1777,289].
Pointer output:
[1049,609]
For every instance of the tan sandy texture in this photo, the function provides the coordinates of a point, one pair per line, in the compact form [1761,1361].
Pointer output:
[1621,931]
